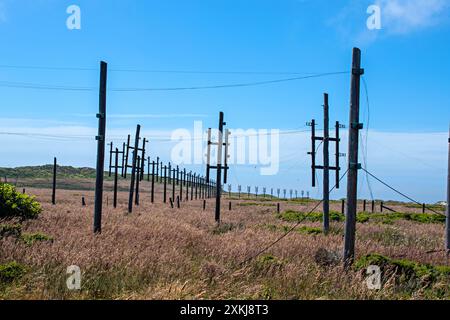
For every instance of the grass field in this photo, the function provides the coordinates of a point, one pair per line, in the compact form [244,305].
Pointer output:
[162,253]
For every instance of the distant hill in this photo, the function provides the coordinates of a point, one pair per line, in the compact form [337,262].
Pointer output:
[46,171]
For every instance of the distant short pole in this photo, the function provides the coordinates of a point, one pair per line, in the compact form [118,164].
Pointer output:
[54,182]
[83,202]
[278,207]
[23,190]
[229,206]
[204,205]
[343,206]
[423,208]
[373,206]
[364,206]
[178,202]
[381,206]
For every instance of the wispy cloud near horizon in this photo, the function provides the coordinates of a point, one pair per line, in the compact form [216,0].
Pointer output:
[398,18]
[405,16]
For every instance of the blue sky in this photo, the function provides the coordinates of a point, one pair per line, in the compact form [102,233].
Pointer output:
[406,64]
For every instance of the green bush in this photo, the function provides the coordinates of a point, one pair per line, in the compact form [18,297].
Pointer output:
[31,238]
[363,217]
[11,271]
[407,272]
[14,204]
[10,230]
[296,216]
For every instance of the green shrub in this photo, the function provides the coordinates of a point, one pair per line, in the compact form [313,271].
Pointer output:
[10,230]
[363,217]
[11,271]
[226,227]
[16,204]
[310,230]
[296,216]
[31,238]
[406,272]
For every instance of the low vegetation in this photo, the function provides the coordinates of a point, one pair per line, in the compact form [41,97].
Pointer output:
[409,275]
[17,205]
[10,230]
[31,238]
[46,171]
[11,271]
[363,217]
[163,253]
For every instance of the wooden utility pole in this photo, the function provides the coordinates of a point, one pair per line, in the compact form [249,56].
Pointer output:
[313,152]
[54,182]
[165,184]
[142,165]
[126,156]
[174,171]
[110,158]
[153,182]
[100,149]
[115,177]
[157,170]
[353,165]
[138,178]
[148,169]
[326,166]
[219,168]
[447,221]
[133,169]
[123,159]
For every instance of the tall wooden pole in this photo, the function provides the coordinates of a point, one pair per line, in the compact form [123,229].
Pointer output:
[353,165]
[138,178]
[115,177]
[110,158]
[165,184]
[326,167]
[153,181]
[148,168]
[54,182]
[174,171]
[447,221]
[126,157]
[123,159]
[142,165]
[133,169]
[100,170]
[219,168]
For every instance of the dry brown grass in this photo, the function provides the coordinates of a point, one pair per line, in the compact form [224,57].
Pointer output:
[162,253]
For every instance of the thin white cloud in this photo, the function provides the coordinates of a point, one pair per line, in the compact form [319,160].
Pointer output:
[404,16]
[398,17]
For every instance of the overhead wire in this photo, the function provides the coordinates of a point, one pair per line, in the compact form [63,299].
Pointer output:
[399,192]
[25,85]
[290,229]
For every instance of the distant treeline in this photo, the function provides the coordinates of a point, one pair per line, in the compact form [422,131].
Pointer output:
[46,171]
